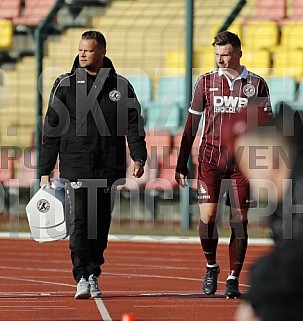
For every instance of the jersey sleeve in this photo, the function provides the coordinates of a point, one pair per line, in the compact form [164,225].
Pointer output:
[197,101]
[264,97]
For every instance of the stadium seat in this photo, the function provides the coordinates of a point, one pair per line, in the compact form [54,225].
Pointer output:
[10,9]
[281,89]
[299,94]
[297,103]
[165,111]
[256,60]
[163,185]
[292,34]
[6,39]
[271,9]
[6,168]
[288,62]
[24,180]
[34,12]
[296,10]
[158,144]
[143,87]
[260,34]
[206,58]
[6,174]
[171,90]
[151,171]
[175,63]
[163,116]
[235,27]
[166,177]
[27,173]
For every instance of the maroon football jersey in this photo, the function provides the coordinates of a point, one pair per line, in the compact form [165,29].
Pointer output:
[218,99]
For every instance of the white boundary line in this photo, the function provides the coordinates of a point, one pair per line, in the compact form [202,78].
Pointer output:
[102,309]
[149,238]
[181,239]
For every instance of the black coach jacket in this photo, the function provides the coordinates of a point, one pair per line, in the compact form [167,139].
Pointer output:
[88,129]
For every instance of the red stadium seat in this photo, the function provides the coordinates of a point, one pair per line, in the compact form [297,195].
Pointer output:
[166,177]
[194,150]
[158,143]
[34,12]
[10,9]
[150,172]
[271,9]
[296,10]
[26,173]
[6,168]
[6,174]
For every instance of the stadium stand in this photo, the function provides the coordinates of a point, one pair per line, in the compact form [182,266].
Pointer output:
[142,35]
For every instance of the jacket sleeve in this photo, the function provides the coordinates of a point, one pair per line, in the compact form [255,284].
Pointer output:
[135,129]
[55,124]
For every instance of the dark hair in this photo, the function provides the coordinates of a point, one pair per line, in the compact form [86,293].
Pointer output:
[98,36]
[227,37]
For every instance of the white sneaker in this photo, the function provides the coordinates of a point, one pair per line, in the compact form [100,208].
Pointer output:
[94,287]
[83,291]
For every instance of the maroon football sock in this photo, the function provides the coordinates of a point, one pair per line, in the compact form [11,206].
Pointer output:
[237,247]
[209,241]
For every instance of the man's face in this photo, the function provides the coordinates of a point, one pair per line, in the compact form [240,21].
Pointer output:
[228,57]
[91,55]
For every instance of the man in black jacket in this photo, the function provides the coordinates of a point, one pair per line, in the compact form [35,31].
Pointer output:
[91,112]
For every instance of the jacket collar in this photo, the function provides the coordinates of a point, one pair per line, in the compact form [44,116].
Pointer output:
[107,63]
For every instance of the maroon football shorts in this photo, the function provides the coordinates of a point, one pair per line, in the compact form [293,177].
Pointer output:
[214,182]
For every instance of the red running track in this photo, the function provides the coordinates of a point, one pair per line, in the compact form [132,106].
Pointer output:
[152,280]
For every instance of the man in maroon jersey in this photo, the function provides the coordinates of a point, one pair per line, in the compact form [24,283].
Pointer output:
[217,97]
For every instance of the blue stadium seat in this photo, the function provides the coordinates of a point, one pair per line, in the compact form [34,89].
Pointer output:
[281,89]
[298,102]
[143,87]
[163,116]
[171,90]
[165,111]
